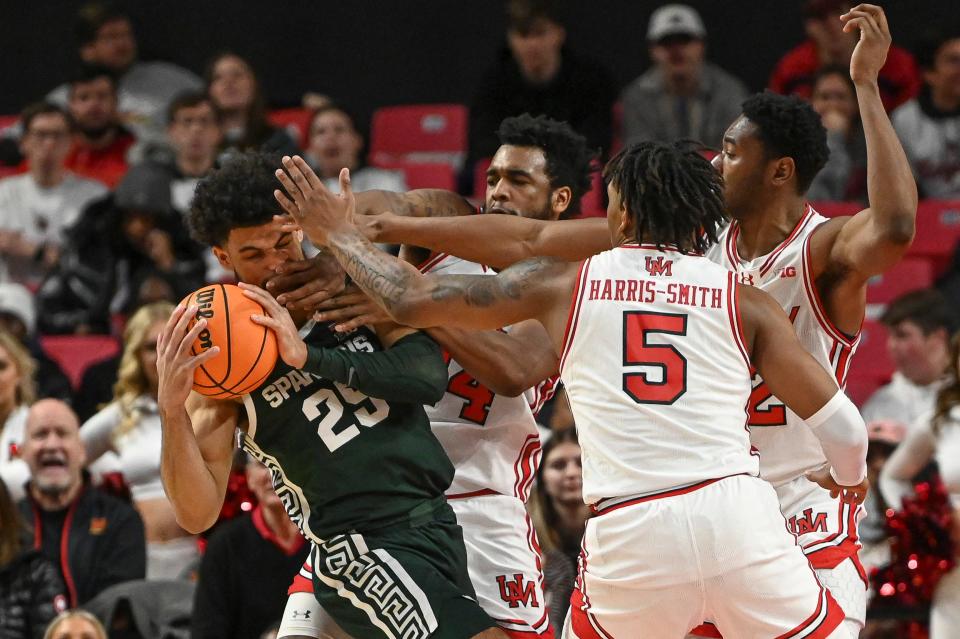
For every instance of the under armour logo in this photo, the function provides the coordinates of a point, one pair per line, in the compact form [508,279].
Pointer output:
[298,614]
[746,278]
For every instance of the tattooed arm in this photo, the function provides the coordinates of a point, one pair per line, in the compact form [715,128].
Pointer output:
[418,203]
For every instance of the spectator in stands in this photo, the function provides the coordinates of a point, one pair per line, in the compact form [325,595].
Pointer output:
[537,74]
[828,45]
[101,143]
[844,177]
[105,36]
[31,592]
[683,95]
[125,250]
[237,96]
[75,624]
[36,207]
[929,125]
[17,392]
[335,143]
[130,427]
[18,316]
[884,437]
[559,516]
[104,543]
[242,599]
[935,436]
[919,325]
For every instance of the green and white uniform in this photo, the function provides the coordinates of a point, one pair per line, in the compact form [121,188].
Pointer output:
[363,477]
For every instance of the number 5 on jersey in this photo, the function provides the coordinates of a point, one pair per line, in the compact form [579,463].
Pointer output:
[638,326]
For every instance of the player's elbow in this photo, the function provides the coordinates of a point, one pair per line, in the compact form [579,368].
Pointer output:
[509,384]
[195,524]
[901,225]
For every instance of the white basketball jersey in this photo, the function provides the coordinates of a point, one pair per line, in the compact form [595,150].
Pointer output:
[656,373]
[788,448]
[491,439]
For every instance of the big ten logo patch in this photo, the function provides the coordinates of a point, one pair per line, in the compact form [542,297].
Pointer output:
[518,591]
[808,522]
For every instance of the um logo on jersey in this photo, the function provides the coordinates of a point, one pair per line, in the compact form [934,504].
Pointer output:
[518,591]
[659,266]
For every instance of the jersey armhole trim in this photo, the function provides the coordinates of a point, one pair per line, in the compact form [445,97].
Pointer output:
[814,298]
[431,262]
[251,416]
[574,316]
[736,321]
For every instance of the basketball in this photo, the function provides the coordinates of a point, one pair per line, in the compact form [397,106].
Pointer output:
[248,352]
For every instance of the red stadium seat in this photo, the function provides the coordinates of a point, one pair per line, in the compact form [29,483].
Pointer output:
[859,389]
[837,209]
[910,274]
[434,175]
[938,231]
[74,353]
[7,121]
[591,205]
[419,133]
[296,121]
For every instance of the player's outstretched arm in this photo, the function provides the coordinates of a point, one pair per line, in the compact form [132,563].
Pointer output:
[417,203]
[533,289]
[876,238]
[805,387]
[197,441]
[494,240]
[506,363]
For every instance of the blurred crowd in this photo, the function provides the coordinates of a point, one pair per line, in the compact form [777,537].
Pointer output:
[94,251]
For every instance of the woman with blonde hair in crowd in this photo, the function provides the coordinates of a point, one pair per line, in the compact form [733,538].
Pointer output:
[130,427]
[559,517]
[75,624]
[17,392]
[934,436]
[235,91]
[31,592]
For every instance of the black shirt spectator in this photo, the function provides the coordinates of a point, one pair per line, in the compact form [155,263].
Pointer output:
[105,541]
[31,593]
[242,599]
[537,74]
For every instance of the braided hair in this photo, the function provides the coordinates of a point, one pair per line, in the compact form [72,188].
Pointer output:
[673,194]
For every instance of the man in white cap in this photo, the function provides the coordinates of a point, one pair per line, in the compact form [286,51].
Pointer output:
[681,95]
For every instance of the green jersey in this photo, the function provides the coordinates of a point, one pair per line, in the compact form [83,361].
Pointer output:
[342,461]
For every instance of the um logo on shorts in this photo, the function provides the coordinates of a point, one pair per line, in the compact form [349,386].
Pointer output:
[808,523]
[518,591]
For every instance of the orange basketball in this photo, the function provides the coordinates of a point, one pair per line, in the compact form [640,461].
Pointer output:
[248,351]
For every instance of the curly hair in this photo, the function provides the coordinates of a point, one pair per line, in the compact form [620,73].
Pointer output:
[569,160]
[789,127]
[236,195]
[672,193]
[131,378]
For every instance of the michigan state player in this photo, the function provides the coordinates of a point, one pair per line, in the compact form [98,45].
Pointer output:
[345,437]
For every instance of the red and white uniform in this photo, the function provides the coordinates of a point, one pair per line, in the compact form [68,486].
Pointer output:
[658,380]
[494,445]
[827,527]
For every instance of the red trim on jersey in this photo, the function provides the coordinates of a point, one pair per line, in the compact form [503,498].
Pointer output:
[667,248]
[543,393]
[525,468]
[842,364]
[802,224]
[574,315]
[476,493]
[733,312]
[431,262]
[706,629]
[814,297]
[730,246]
[300,584]
[822,622]
[599,509]
[584,624]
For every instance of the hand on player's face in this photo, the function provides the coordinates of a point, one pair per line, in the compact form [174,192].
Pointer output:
[175,362]
[825,480]
[310,203]
[871,50]
[304,284]
[351,310]
[292,348]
